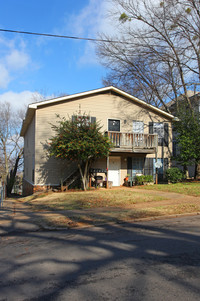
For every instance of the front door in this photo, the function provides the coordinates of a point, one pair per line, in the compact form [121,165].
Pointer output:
[114,170]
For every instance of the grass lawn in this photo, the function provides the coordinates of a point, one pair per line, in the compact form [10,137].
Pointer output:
[77,208]
[78,200]
[187,188]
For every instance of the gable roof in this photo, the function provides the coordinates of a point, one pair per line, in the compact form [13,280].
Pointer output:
[34,106]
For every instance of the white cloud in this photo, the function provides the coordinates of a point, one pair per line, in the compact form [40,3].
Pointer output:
[21,99]
[90,21]
[4,77]
[16,60]
[13,58]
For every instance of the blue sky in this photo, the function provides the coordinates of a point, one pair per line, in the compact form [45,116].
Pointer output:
[49,66]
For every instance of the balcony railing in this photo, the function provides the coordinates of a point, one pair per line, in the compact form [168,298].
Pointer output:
[132,141]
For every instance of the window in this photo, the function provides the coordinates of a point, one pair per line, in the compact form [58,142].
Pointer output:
[135,165]
[138,127]
[162,129]
[113,125]
[148,166]
[158,128]
[88,119]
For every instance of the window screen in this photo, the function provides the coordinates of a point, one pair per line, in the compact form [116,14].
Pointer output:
[138,127]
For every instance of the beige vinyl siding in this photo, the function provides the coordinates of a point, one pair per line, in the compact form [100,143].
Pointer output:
[29,152]
[103,107]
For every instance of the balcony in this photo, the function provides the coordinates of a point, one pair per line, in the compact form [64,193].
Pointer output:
[133,143]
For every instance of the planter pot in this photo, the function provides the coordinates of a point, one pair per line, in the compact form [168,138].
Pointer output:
[148,183]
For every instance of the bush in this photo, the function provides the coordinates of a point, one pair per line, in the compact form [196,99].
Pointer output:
[141,179]
[148,178]
[174,175]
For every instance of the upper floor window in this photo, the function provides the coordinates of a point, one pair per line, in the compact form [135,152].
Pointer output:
[113,125]
[162,130]
[88,119]
[158,128]
[138,127]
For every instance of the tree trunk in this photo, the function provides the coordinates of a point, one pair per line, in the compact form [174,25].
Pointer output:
[11,176]
[84,174]
[185,171]
[197,171]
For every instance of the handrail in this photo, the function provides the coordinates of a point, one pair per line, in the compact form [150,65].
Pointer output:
[133,140]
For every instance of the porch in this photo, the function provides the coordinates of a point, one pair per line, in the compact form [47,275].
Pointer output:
[133,143]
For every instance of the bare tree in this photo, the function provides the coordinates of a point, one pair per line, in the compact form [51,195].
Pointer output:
[11,145]
[155,54]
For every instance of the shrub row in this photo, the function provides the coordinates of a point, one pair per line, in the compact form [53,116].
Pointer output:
[140,180]
[173,175]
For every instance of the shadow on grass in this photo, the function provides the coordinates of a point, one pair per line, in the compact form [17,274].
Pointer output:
[84,264]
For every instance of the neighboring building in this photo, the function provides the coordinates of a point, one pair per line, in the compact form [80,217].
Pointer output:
[141,134]
[173,106]
[194,98]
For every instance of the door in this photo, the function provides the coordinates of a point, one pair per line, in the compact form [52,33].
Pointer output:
[114,170]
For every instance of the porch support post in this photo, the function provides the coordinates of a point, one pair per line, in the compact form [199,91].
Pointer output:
[156,168]
[107,168]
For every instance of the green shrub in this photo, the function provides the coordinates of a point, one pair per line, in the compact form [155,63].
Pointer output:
[141,179]
[174,175]
[149,178]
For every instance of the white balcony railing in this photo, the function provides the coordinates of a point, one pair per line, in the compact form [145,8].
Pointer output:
[132,140]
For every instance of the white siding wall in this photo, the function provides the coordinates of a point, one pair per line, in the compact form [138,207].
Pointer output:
[29,152]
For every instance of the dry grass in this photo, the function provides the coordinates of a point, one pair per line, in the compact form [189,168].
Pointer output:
[78,208]
[119,198]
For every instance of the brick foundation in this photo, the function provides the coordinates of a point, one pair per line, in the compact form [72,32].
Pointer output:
[38,188]
[29,189]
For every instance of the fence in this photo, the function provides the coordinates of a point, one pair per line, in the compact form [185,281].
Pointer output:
[2,194]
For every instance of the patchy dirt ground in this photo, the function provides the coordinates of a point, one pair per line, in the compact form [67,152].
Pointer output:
[16,213]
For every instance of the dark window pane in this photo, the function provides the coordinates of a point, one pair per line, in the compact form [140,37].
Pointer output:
[93,119]
[150,127]
[113,125]
[166,134]
[148,166]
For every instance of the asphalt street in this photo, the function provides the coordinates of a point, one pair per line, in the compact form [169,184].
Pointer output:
[155,260]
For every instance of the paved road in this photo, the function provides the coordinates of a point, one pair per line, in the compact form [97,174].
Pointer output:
[157,260]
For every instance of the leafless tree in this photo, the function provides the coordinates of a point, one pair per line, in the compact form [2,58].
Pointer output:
[11,145]
[155,54]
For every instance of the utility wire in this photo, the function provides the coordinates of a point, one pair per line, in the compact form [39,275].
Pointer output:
[58,36]
[71,37]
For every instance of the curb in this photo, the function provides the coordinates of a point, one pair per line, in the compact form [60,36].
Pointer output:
[144,219]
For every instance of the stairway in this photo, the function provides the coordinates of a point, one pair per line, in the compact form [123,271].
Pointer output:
[71,178]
